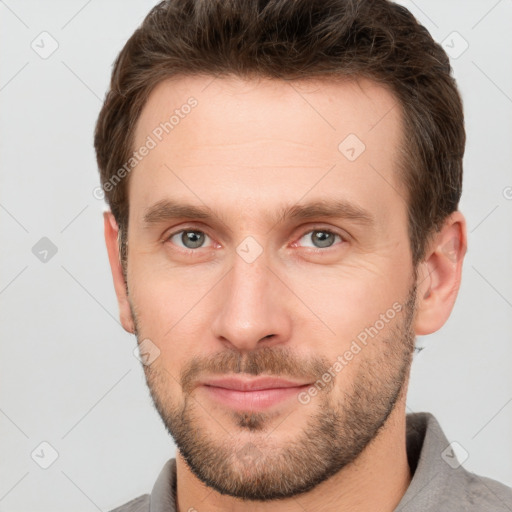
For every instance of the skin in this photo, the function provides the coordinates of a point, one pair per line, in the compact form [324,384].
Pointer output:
[248,149]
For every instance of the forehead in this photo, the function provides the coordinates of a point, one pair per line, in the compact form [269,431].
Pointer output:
[328,108]
[244,140]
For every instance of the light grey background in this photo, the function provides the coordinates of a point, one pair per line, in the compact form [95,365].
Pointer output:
[68,375]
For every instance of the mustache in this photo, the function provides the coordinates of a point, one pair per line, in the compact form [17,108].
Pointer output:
[277,361]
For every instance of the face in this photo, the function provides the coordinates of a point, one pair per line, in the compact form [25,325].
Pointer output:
[268,240]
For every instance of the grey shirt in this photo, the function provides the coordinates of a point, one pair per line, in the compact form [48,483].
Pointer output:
[439,482]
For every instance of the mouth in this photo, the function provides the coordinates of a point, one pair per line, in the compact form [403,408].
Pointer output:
[255,394]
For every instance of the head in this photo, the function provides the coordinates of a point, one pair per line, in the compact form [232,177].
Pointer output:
[283,180]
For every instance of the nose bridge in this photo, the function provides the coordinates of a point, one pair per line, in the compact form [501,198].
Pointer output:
[251,307]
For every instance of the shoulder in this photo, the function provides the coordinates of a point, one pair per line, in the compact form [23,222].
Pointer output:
[475,492]
[439,480]
[162,496]
[140,504]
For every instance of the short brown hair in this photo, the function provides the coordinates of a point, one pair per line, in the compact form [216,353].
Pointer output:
[297,40]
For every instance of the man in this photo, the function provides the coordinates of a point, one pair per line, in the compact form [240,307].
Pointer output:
[283,179]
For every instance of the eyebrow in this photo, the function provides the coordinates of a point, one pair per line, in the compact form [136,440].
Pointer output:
[167,210]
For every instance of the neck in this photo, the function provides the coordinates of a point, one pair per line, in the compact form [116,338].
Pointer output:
[376,480]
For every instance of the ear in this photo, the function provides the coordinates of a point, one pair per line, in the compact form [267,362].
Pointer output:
[439,275]
[111,240]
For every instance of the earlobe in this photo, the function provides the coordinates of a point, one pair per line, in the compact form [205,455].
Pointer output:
[111,240]
[439,275]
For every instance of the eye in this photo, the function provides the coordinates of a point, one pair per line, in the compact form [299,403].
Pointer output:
[320,238]
[188,238]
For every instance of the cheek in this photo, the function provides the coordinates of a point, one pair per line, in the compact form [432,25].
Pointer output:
[171,309]
[346,300]
[163,291]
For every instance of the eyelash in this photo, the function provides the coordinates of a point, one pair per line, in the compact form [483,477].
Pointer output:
[311,230]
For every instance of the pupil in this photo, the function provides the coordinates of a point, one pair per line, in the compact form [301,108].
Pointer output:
[192,239]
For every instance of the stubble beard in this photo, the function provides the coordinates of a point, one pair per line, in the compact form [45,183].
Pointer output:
[260,469]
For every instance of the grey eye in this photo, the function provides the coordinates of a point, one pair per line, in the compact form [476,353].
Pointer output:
[320,238]
[192,239]
[189,239]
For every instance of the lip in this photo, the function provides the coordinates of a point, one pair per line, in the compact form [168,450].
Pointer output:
[252,394]
[252,384]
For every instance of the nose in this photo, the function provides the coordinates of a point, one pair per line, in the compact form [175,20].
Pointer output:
[253,309]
